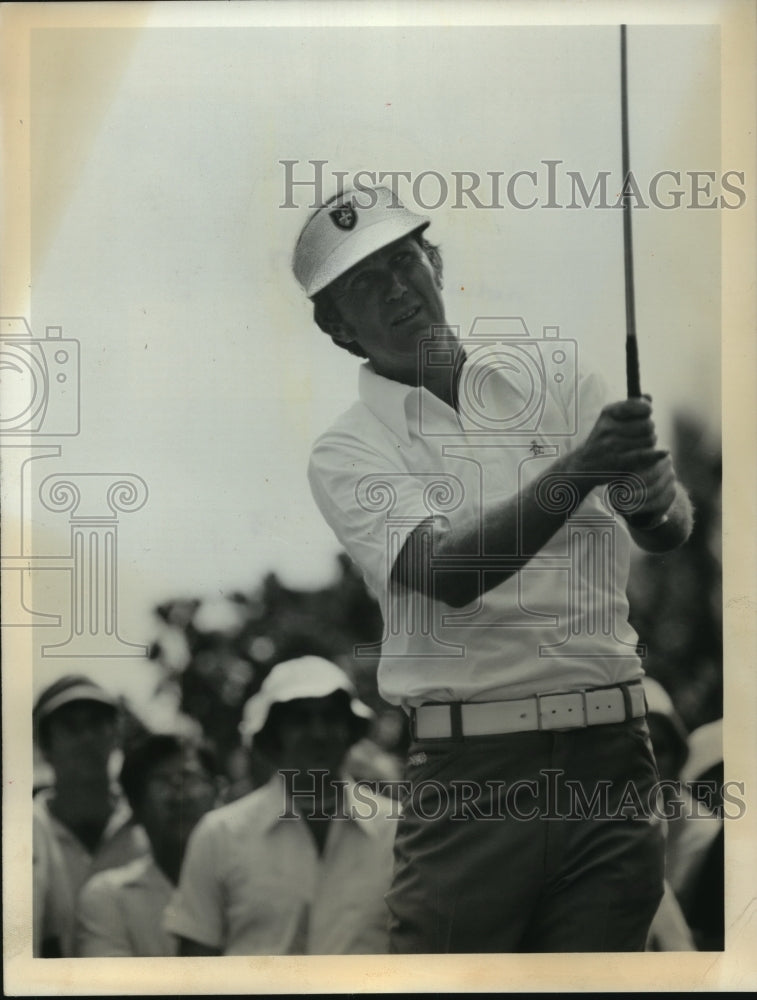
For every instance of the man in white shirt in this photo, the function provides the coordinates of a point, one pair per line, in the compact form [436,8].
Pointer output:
[476,484]
[170,784]
[301,865]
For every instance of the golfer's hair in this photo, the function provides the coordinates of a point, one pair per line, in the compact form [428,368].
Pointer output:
[325,311]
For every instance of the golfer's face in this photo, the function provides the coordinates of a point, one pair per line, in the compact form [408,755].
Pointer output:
[388,303]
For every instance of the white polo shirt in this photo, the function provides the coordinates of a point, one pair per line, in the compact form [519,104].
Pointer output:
[121,913]
[62,865]
[253,883]
[401,455]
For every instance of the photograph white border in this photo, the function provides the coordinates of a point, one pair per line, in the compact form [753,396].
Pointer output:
[736,967]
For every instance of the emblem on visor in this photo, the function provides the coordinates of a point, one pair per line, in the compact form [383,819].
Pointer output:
[344,217]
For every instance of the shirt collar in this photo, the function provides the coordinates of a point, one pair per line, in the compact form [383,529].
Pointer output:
[398,405]
[146,871]
[272,803]
[392,402]
[386,399]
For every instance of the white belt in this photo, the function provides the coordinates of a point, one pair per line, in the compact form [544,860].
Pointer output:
[565,710]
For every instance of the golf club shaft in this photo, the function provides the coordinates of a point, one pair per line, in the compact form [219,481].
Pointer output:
[633,377]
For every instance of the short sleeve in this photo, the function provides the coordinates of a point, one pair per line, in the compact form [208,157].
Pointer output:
[196,910]
[101,930]
[371,502]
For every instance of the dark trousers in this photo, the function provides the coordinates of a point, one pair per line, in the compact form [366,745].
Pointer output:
[529,842]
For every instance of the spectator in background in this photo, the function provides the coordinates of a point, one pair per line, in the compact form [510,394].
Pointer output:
[692,827]
[703,774]
[368,761]
[301,865]
[170,784]
[82,824]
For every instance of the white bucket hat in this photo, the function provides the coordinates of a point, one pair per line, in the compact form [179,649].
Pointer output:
[305,677]
[348,229]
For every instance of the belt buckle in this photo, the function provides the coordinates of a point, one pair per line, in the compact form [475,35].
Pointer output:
[562,694]
[433,706]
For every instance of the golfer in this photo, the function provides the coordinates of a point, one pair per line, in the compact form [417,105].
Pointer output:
[477,484]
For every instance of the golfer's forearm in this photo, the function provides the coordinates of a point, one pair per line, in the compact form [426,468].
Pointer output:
[674,531]
[471,554]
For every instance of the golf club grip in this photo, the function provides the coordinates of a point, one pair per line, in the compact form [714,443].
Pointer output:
[633,377]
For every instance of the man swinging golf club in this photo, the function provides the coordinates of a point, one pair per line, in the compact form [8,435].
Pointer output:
[500,563]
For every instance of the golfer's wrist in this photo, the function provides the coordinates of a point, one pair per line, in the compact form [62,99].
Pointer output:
[573,467]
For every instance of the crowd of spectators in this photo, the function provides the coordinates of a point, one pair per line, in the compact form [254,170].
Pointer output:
[163,860]
[166,857]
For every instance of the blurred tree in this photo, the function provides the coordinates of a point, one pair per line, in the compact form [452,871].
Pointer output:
[217,654]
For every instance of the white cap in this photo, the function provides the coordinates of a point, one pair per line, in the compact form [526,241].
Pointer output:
[348,229]
[305,677]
